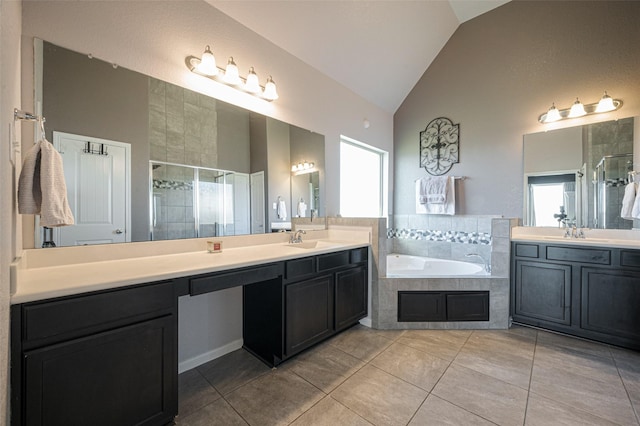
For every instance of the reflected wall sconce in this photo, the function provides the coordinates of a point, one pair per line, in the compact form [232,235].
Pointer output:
[578,109]
[206,67]
[302,167]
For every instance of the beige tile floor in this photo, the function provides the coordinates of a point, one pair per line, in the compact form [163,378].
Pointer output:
[422,377]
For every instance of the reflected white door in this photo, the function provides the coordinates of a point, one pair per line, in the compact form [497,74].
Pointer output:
[257,203]
[98,189]
[241,203]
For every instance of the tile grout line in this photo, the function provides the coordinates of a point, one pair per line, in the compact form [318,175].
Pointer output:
[445,372]
[624,385]
[533,361]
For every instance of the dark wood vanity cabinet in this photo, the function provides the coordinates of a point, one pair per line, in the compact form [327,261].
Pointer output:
[320,296]
[308,313]
[543,292]
[590,292]
[111,357]
[105,358]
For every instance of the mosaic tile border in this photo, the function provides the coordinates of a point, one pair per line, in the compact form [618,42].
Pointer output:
[481,238]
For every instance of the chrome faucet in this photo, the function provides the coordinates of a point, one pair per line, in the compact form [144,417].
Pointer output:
[574,232]
[487,265]
[296,238]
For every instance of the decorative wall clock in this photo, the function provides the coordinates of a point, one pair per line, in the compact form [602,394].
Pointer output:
[439,144]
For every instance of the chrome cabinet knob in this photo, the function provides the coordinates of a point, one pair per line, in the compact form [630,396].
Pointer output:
[118,231]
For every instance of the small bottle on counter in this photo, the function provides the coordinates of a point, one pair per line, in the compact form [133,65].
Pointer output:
[214,246]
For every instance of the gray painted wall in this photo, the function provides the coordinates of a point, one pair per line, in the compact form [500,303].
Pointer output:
[90,98]
[498,73]
[309,146]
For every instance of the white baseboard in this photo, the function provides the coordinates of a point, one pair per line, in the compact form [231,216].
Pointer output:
[191,363]
[366,322]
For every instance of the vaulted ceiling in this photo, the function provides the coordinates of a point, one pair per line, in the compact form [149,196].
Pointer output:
[379,49]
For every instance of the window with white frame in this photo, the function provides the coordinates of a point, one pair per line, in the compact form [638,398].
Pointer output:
[363,179]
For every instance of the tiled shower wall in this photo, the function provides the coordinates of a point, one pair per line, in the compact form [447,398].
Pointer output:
[182,130]
[182,125]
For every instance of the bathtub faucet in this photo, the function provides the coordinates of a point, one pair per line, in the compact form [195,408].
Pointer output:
[487,265]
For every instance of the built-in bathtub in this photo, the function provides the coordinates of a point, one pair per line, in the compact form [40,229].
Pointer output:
[408,273]
[407,266]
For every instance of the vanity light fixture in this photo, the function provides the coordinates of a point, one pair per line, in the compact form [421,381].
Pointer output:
[553,114]
[231,74]
[606,103]
[302,167]
[578,109]
[206,66]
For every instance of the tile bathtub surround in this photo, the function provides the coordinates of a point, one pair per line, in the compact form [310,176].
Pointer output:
[498,289]
[363,376]
[436,235]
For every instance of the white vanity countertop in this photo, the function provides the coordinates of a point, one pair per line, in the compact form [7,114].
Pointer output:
[37,283]
[593,237]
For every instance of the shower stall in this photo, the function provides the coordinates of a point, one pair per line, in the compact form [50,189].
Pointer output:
[609,179]
[195,202]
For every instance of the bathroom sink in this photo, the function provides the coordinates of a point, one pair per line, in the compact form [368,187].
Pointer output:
[304,244]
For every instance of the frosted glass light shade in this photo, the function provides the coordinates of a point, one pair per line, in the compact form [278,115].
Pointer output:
[605,104]
[252,85]
[231,74]
[207,65]
[553,114]
[270,92]
[577,110]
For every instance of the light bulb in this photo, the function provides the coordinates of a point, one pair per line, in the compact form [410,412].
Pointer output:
[231,75]
[605,104]
[577,109]
[553,114]
[270,92]
[207,65]
[252,85]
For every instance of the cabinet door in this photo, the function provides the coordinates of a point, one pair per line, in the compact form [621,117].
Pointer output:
[543,292]
[420,306]
[125,376]
[611,302]
[351,296]
[468,306]
[308,313]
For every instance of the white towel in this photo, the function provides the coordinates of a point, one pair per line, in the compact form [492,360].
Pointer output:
[447,207]
[635,211]
[433,190]
[302,208]
[42,189]
[628,201]
[282,210]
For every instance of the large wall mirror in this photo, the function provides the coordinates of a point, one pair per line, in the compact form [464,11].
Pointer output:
[148,160]
[577,176]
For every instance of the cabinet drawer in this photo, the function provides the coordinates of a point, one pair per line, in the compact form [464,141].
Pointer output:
[299,267]
[594,256]
[333,260]
[630,258]
[527,250]
[207,284]
[78,315]
[359,255]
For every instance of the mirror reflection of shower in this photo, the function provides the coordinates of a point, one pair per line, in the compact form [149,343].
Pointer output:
[196,202]
[610,176]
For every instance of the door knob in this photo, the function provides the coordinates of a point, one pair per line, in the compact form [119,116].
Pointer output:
[118,231]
